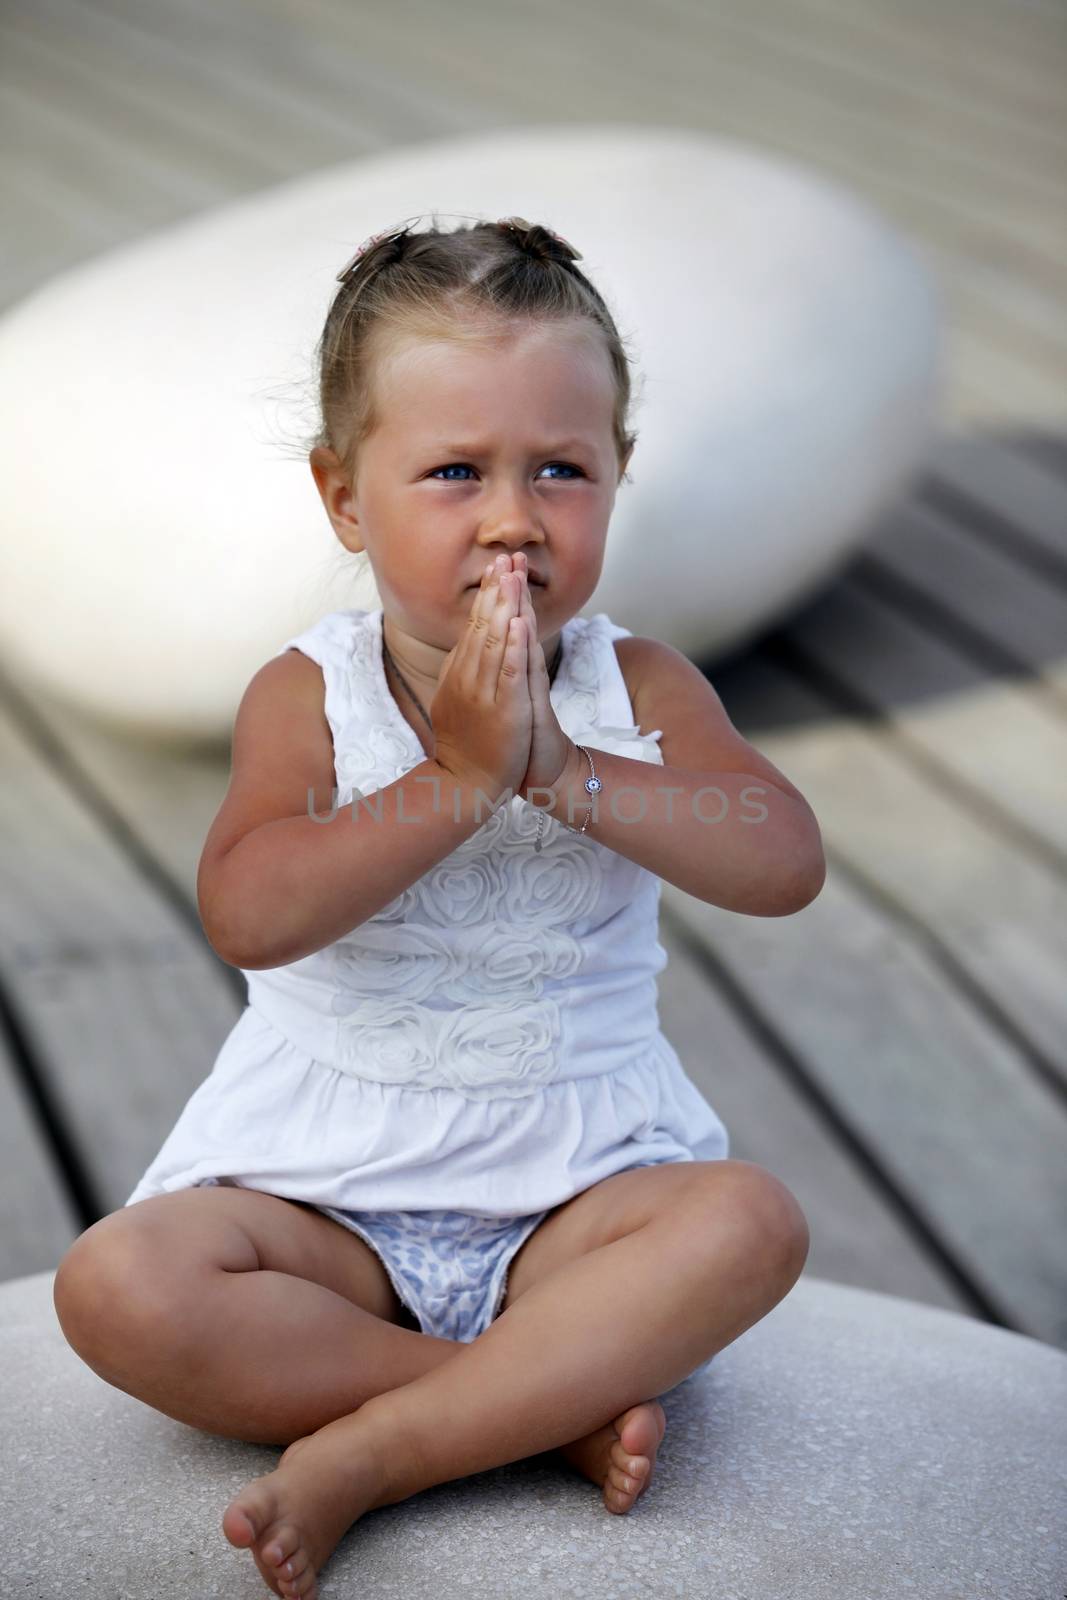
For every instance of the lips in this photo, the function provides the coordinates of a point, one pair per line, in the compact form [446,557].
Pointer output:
[534,582]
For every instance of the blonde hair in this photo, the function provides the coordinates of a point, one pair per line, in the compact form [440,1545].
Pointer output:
[472,285]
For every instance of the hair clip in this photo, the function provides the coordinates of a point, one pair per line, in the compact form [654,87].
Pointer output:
[520,225]
[516,223]
[376,238]
[577,254]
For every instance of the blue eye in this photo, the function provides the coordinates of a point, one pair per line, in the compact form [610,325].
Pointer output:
[568,464]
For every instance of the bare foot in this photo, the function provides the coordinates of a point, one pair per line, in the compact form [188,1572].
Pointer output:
[294,1517]
[622,1454]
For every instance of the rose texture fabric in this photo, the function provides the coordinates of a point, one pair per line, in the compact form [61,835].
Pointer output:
[490,1040]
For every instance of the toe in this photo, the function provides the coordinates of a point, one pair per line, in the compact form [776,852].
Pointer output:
[272,1574]
[627,1461]
[296,1565]
[238,1526]
[249,1515]
[638,1430]
[282,1546]
[302,1587]
[616,1499]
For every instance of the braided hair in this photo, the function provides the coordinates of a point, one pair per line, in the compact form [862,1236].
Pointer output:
[467,284]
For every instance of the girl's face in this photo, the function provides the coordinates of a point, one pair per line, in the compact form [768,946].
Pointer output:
[479,452]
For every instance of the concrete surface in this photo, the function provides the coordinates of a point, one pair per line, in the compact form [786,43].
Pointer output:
[851,1446]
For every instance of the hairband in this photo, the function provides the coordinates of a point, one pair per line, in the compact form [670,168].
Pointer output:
[515,223]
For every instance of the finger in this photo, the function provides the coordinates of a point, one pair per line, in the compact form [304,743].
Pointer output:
[472,639]
[499,631]
[538,670]
[528,606]
[513,662]
[513,666]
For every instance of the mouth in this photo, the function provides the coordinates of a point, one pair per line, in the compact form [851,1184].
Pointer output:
[534,583]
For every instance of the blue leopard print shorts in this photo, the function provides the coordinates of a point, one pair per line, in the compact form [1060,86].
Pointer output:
[449,1268]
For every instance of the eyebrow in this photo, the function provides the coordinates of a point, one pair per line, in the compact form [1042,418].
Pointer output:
[480,449]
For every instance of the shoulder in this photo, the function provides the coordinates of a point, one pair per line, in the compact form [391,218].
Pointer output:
[332,635]
[289,686]
[651,671]
[670,692]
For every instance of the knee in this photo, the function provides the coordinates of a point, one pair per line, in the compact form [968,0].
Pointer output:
[768,1214]
[777,1213]
[102,1291]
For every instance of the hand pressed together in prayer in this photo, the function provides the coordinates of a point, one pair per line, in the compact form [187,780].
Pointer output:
[494,723]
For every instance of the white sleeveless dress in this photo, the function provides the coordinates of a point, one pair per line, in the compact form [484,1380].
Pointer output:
[487,1042]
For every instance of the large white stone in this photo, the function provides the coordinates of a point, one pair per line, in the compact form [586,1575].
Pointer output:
[161,529]
[850,1446]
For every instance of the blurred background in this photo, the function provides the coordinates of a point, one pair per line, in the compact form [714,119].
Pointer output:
[897,1052]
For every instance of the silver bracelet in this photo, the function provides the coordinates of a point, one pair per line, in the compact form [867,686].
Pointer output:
[592,786]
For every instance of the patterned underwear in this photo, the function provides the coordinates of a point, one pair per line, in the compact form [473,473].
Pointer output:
[449,1268]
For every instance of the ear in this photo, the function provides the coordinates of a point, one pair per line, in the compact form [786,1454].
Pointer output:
[336,494]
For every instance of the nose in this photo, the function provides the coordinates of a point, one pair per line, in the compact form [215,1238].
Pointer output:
[510,527]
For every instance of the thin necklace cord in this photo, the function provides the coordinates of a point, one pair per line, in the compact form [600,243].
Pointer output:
[425,714]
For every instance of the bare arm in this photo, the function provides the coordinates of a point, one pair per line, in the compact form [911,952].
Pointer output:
[717,819]
[732,839]
[296,884]
[283,872]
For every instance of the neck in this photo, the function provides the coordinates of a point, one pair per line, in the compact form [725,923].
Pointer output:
[421,662]
[418,660]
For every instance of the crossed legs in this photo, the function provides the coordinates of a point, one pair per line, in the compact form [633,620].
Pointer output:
[228,1349]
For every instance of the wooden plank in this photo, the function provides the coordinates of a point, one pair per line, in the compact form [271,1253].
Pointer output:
[949,138]
[791,109]
[1010,90]
[39,1221]
[160,798]
[121,1003]
[134,186]
[939,1095]
[859,1233]
[987,385]
[978,594]
[991,481]
[224,72]
[404,83]
[989,914]
[270,101]
[1046,449]
[1027,329]
[993,743]
[165,115]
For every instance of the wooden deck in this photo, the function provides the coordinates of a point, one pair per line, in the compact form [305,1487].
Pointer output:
[897,1052]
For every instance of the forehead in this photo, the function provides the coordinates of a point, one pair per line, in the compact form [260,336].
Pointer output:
[554,382]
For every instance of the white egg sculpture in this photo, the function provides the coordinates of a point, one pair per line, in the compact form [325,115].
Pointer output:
[161,531]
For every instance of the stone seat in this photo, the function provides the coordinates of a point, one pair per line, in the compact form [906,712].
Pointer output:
[850,1446]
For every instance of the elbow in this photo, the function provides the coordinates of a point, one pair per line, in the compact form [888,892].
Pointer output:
[807,883]
[232,946]
[231,958]
[218,936]
[811,888]
[797,889]
[223,947]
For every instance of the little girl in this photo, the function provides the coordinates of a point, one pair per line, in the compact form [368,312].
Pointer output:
[447,1198]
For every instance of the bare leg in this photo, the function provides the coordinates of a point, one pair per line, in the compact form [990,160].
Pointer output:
[258,1355]
[630,1319]
[231,1353]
